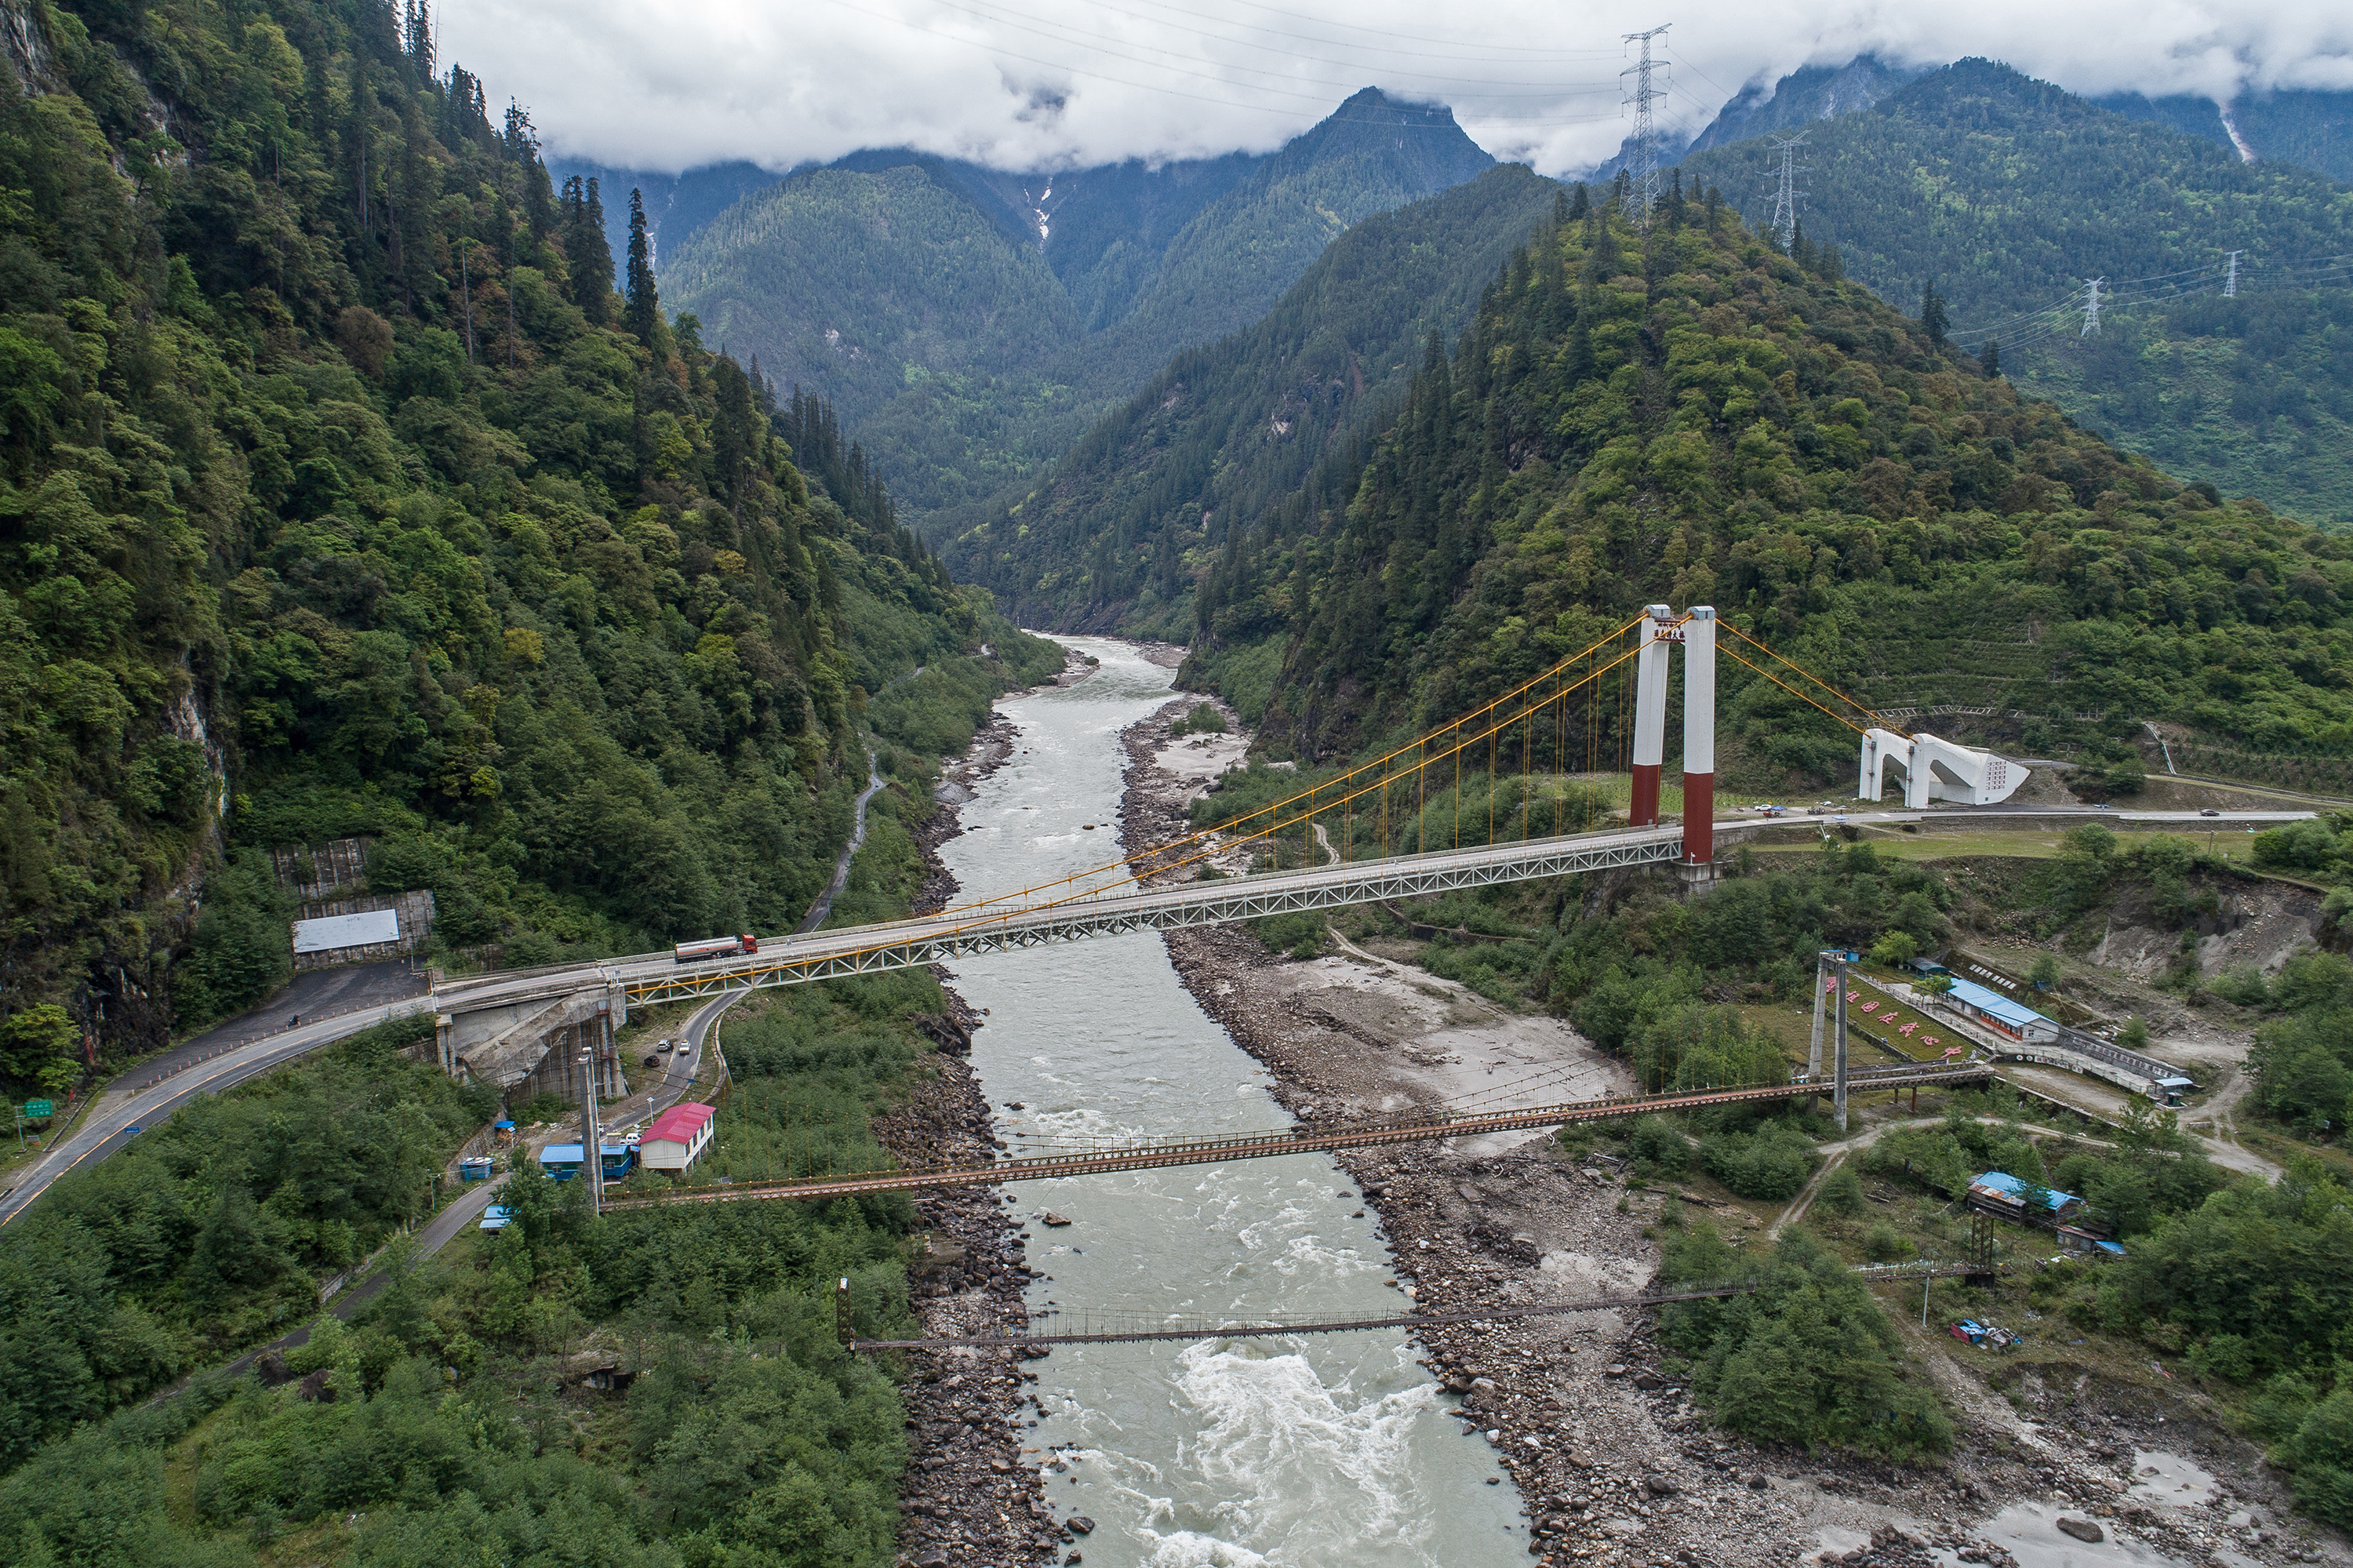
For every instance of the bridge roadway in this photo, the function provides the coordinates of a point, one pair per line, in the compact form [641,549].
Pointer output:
[1057,918]
[651,978]
[1300,1139]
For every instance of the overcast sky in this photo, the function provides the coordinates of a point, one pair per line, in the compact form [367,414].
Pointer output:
[1044,84]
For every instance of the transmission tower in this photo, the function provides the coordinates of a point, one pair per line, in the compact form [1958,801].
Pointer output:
[1785,197]
[2230,283]
[2091,307]
[1644,164]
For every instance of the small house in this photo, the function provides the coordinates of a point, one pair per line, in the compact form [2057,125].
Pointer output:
[1999,1013]
[2004,1196]
[2083,1244]
[677,1137]
[561,1162]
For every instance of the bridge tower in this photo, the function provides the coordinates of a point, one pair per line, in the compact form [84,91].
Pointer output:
[1696,632]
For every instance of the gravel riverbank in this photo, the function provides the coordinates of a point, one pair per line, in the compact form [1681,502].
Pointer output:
[1614,1464]
[969,1498]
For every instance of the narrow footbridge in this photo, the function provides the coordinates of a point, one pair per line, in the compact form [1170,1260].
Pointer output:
[1089,1327]
[1307,1138]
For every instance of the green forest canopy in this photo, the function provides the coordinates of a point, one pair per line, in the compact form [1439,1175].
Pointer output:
[341,494]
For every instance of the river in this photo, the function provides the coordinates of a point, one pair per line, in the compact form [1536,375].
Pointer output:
[1334,1450]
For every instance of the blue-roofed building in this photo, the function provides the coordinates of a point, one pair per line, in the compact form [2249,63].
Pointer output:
[562,1161]
[2000,1193]
[1998,1013]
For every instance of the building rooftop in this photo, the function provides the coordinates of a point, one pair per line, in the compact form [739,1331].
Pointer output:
[680,1123]
[2011,1187]
[1993,1004]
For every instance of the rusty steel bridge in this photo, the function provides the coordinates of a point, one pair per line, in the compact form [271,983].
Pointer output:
[1305,1139]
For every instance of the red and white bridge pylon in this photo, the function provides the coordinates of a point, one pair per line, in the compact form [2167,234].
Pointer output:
[1695,631]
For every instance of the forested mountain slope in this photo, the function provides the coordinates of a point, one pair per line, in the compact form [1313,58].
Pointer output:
[971,339]
[2009,193]
[341,495]
[1693,417]
[1229,433]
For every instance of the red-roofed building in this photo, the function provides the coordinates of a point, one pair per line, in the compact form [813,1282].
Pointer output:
[677,1139]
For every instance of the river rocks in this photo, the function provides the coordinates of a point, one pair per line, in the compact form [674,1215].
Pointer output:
[1051,1218]
[2082,1530]
[1078,1524]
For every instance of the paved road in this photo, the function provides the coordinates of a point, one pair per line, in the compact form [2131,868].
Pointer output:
[677,1069]
[109,1125]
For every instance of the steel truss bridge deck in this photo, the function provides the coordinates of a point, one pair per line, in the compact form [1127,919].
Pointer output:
[1300,1140]
[1270,1327]
[904,944]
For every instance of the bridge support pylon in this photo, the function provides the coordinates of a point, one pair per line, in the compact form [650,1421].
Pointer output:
[1696,632]
[1699,737]
[1649,713]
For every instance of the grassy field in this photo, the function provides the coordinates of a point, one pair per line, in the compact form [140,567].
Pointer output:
[2231,845]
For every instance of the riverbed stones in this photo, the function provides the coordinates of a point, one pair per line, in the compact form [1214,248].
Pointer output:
[2082,1529]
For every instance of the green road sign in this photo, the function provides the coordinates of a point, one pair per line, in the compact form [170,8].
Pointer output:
[35,1110]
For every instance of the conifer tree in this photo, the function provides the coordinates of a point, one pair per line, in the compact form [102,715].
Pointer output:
[1933,320]
[1991,357]
[644,317]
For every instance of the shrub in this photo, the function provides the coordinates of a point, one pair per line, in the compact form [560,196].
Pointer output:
[1808,1359]
[1298,935]
[1656,1144]
[1884,1244]
[1772,1162]
[1842,1192]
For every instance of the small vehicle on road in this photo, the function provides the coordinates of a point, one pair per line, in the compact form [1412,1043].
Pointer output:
[2208,811]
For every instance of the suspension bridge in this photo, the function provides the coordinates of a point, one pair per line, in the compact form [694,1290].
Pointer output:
[1115,1328]
[1460,805]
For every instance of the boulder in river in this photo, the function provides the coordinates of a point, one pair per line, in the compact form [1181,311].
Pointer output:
[1051,1218]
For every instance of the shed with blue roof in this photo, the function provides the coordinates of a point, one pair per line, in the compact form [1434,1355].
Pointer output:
[2001,1194]
[1998,1011]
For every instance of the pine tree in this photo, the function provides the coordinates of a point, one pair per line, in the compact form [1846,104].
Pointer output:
[1933,320]
[644,316]
[1991,357]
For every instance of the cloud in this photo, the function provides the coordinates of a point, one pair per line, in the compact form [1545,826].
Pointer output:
[1045,84]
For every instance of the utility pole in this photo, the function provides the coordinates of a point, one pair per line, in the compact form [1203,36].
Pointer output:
[2230,283]
[1644,167]
[2091,307]
[592,1140]
[1785,197]
[1838,1089]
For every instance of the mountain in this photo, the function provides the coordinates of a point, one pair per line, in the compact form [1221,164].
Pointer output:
[1695,418]
[2302,126]
[1113,537]
[1802,96]
[2009,193]
[341,497]
[1012,311]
